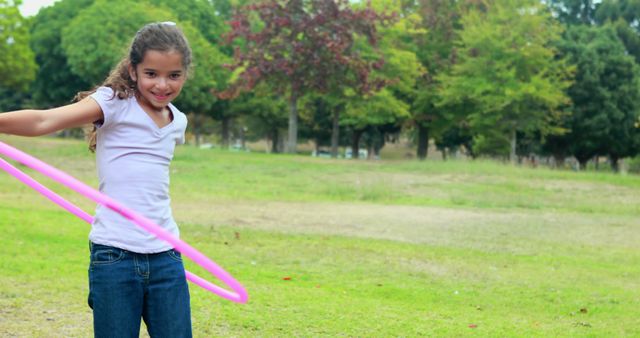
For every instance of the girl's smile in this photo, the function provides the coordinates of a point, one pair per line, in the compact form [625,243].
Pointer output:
[159,79]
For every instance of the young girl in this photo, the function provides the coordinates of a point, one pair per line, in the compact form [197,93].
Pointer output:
[132,274]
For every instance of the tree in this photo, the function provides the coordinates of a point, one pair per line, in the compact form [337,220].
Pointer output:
[613,10]
[372,117]
[380,110]
[265,115]
[209,19]
[403,67]
[91,53]
[55,84]
[439,20]
[509,71]
[17,60]
[50,22]
[605,97]
[574,12]
[624,16]
[202,14]
[316,112]
[207,74]
[299,46]
[452,138]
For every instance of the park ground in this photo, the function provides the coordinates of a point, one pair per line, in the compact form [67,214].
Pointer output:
[352,248]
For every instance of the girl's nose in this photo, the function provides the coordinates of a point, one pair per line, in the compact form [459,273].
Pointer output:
[162,83]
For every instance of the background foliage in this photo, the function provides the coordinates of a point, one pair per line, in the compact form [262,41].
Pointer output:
[510,79]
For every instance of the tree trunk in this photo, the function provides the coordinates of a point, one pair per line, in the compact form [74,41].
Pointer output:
[615,163]
[582,164]
[243,138]
[335,133]
[355,144]
[274,140]
[226,121]
[423,142]
[281,142]
[559,159]
[292,142]
[197,136]
[377,149]
[514,141]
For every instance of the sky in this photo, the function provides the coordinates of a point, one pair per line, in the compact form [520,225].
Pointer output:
[31,7]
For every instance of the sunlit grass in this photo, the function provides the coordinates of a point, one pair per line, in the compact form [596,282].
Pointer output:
[538,253]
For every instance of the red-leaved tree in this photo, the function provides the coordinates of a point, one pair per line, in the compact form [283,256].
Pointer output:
[298,46]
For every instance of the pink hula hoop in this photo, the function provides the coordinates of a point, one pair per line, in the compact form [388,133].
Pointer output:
[239,295]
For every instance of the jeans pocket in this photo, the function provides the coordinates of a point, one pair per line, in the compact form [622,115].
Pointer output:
[104,256]
[175,255]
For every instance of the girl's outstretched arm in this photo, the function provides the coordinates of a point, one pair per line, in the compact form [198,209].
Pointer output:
[41,122]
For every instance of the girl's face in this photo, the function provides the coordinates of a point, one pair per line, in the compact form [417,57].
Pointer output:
[159,78]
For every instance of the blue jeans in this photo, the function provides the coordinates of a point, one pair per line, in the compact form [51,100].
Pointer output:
[125,286]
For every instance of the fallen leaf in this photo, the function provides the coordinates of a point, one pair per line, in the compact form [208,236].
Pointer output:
[583,310]
[286,278]
[473,326]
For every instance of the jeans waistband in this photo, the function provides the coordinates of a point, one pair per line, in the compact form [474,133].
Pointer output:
[93,246]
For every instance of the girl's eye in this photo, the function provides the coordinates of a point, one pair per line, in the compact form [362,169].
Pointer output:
[176,76]
[150,74]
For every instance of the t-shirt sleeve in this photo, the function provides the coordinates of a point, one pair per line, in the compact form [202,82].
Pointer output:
[183,129]
[180,122]
[109,103]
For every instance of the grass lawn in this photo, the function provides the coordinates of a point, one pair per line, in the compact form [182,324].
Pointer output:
[351,248]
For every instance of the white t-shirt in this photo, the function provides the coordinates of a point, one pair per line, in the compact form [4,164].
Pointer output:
[133,156]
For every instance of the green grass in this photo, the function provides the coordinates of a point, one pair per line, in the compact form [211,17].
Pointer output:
[371,248]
